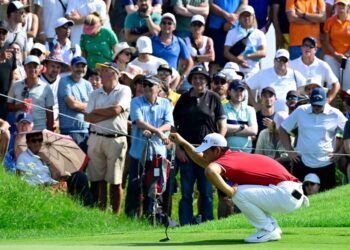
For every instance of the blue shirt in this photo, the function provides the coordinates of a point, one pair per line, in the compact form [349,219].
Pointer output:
[260,7]
[80,91]
[172,52]
[230,6]
[156,115]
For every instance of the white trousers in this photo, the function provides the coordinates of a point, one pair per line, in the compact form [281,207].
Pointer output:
[344,78]
[258,202]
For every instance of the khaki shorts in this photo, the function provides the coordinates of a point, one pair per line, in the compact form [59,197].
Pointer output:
[107,157]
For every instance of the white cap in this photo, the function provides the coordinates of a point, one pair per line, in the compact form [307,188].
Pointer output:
[198,18]
[170,16]
[62,21]
[232,65]
[211,140]
[314,80]
[279,117]
[144,45]
[313,178]
[122,46]
[40,47]
[30,59]
[282,53]
[230,75]
[132,70]
[247,8]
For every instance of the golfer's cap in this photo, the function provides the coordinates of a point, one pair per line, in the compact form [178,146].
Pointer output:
[63,21]
[39,46]
[313,178]
[24,117]
[247,8]
[165,67]
[279,117]
[108,65]
[311,39]
[268,90]
[14,6]
[169,16]
[346,2]
[3,26]
[78,59]
[211,140]
[132,70]
[198,18]
[282,53]
[318,97]
[31,59]
[152,79]
[144,45]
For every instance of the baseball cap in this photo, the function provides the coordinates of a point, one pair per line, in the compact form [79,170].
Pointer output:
[40,47]
[313,178]
[31,59]
[311,39]
[346,2]
[198,18]
[108,65]
[211,140]
[230,74]
[318,97]
[247,8]
[169,16]
[279,117]
[165,67]
[24,117]
[144,45]
[268,90]
[132,70]
[198,70]
[14,6]
[63,21]
[231,65]
[122,46]
[282,53]
[3,26]
[219,75]
[78,59]
[237,84]
[292,93]
[152,79]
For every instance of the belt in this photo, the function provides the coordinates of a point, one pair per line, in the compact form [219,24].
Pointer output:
[107,135]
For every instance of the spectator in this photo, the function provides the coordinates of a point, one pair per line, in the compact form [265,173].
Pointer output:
[108,109]
[311,84]
[201,47]
[254,46]
[4,138]
[304,19]
[279,77]
[62,42]
[78,10]
[143,22]
[94,77]
[219,85]
[73,96]
[98,43]
[164,73]
[317,125]
[19,73]
[30,25]
[122,55]
[184,11]
[311,184]
[197,113]
[292,100]
[38,50]
[222,17]
[312,67]
[280,23]
[337,48]
[33,95]
[263,13]
[128,75]
[146,125]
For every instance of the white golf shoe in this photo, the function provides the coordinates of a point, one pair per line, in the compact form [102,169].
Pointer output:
[264,236]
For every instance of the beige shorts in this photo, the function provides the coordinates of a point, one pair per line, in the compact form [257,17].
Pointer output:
[107,157]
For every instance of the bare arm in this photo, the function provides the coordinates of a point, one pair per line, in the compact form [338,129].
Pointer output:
[130,37]
[49,118]
[248,130]
[209,56]
[74,104]
[347,146]
[202,9]
[258,54]
[286,142]
[130,8]
[222,127]
[332,93]
[108,112]
[188,64]
[35,26]
[153,28]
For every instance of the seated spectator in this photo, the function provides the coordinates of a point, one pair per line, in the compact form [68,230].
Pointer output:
[311,184]
[97,43]
[122,55]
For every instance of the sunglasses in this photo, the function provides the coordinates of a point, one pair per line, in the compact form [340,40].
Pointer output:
[164,73]
[166,23]
[25,92]
[309,46]
[147,84]
[197,24]
[219,81]
[3,32]
[316,106]
[66,26]
[292,98]
[127,53]
[35,52]
[37,140]
[282,59]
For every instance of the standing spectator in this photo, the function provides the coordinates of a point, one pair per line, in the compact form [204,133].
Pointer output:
[185,10]
[254,46]
[197,113]
[317,125]
[201,47]
[73,96]
[78,10]
[151,118]
[164,73]
[143,22]
[7,69]
[109,109]
[30,25]
[19,73]
[304,19]
[219,85]
[35,90]
[62,43]
[312,67]
[280,23]
[98,43]
[279,77]
[263,9]
[122,55]
[94,77]
[222,16]
[337,38]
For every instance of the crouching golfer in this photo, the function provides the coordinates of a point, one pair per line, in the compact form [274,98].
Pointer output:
[262,185]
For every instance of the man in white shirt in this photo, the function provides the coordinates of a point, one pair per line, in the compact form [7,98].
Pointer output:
[317,125]
[279,77]
[312,67]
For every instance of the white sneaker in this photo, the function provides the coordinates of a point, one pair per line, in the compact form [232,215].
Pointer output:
[263,236]
[277,227]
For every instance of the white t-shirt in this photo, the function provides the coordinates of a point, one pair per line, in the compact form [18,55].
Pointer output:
[281,84]
[54,88]
[318,69]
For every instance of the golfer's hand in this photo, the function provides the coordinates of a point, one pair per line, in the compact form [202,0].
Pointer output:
[176,138]
[294,157]
[233,190]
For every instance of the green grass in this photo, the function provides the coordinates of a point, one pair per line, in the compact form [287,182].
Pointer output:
[33,218]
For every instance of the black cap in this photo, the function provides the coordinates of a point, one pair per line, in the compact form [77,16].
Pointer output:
[219,75]
[198,70]
[292,93]
[3,26]
[237,84]
[165,67]
[311,39]
[269,90]
[14,6]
